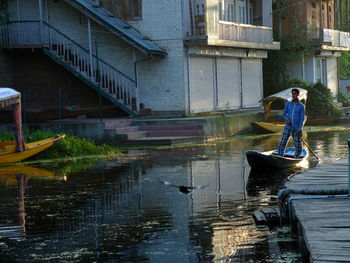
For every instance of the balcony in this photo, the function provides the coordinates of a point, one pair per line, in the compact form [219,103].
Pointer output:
[222,23]
[335,39]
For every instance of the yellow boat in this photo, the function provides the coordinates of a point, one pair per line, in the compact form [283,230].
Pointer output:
[8,152]
[270,124]
[17,150]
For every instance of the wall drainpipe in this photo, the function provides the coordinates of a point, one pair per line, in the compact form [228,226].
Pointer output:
[136,62]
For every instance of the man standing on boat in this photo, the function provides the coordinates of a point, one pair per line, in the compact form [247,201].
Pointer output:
[293,114]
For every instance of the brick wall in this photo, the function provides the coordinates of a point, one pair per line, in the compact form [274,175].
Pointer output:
[162,81]
[40,78]
[6,70]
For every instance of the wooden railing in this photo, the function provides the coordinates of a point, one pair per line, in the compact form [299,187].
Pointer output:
[247,33]
[329,37]
[106,77]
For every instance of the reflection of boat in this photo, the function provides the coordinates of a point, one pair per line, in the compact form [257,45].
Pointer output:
[17,150]
[8,153]
[8,174]
[270,159]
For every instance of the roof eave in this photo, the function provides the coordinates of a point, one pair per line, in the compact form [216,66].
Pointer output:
[122,35]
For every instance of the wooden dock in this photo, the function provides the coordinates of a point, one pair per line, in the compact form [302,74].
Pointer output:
[321,220]
[323,229]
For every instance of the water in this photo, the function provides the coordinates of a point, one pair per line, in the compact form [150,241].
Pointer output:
[118,211]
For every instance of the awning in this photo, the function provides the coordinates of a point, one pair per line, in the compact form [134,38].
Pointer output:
[8,97]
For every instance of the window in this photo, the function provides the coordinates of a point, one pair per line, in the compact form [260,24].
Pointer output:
[321,71]
[124,9]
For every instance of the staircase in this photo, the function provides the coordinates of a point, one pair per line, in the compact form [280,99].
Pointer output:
[96,73]
[159,134]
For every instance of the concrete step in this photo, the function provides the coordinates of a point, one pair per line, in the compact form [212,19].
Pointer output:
[117,123]
[172,127]
[125,130]
[165,140]
[163,133]
[136,135]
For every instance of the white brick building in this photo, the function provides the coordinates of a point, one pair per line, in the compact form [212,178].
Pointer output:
[179,56]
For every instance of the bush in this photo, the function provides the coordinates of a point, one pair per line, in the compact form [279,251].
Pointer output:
[319,102]
[343,99]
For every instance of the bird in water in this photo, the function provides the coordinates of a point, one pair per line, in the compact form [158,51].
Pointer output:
[182,188]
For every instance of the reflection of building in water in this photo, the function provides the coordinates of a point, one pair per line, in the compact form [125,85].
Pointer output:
[234,239]
[226,179]
[127,213]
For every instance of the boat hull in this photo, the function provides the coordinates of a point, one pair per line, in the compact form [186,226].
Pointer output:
[268,160]
[9,155]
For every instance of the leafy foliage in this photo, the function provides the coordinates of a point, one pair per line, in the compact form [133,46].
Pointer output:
[345,100]
[344,65]
[4,13]
[319,102]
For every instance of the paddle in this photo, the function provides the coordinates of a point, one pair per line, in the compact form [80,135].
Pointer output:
[309,148]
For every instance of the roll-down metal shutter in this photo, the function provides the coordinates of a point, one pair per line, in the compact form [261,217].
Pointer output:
[201,84]
[251,82]
[228,83]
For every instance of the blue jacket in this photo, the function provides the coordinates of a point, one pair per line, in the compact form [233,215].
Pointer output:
[295,113]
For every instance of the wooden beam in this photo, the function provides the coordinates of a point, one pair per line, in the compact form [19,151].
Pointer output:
[341,14]
[347,15]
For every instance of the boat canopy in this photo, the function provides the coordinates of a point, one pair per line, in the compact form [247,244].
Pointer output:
[9,97]
[285,95]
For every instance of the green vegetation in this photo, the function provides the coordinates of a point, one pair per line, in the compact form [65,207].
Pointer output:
[319,102]
[4,13]
[344,65]
[69,147]
[343,99]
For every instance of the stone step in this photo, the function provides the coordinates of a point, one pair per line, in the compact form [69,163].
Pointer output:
[166,140]
[172,127]
[173,133]
[117,123]
[127,129]
[136,135]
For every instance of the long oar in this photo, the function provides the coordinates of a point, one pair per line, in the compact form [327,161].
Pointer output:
[309,148]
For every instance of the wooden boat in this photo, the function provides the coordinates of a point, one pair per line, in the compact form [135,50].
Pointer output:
[270,159]
[17,150]
[8,152]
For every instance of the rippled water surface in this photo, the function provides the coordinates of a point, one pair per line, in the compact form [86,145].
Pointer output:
[130,210]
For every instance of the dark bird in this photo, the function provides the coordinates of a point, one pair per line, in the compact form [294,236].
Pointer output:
[182,188]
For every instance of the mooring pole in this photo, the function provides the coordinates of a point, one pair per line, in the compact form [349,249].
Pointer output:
[348,166]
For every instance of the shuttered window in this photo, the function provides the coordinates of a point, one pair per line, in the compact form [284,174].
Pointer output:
[124,9]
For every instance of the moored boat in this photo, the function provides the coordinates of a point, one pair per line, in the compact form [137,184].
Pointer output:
[271,160]
[8,153]
[18,150]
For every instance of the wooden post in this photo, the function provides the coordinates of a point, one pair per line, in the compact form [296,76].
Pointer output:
[349,166]
[41,21]
[347,15]
[90,48]
[335,14]
[341,14]
[327,14]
